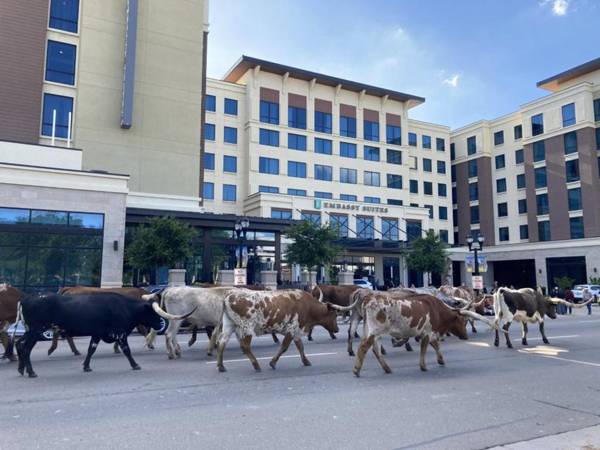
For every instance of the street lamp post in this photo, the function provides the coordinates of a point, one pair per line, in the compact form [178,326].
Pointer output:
[475,246]
[241,228]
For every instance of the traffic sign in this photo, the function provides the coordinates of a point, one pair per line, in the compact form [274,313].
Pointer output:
[239,277]
[477,281]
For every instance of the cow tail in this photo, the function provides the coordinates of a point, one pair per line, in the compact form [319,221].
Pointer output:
[17,320]
[498,301]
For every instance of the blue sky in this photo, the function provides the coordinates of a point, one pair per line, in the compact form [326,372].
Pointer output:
[470,59]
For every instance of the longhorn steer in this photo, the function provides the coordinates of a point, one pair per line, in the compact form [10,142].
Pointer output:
[9,299]
[103,316]
[467,295]
[292,313]
[526,306]
[419,316]
[334,294]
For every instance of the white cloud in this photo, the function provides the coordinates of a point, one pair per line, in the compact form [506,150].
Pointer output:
[559,7]
[452,81]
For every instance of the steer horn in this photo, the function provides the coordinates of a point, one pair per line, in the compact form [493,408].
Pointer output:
[320,294]
[162,313]
[474,315]
[557,301]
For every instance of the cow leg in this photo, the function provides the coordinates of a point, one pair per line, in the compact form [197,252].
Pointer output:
[228,328]
[150,339]
[377,351]
[300,347]
[354,319]
[436,346]
[275,338]
[72,345]
[245,344]
[505,329]
[173,349]
[29,344]
[127,352]
[287,340]
[91,350]
[424,344]
[8,343]
[116,348]
[195,335]
[363,348]
[543,333]
[213,338]
[332,335]
[310,338]
[473,329]
[524,335]
[408,347]
[54,344]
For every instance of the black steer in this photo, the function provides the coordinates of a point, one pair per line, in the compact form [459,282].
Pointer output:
[109,317]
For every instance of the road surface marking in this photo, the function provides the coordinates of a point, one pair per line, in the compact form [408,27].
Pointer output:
[270,357]
[568,336]
[589,321]
[585,363]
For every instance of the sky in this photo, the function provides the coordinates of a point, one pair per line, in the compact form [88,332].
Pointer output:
[470,59]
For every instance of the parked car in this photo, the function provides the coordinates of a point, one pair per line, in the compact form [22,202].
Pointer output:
[578,290]
[20,331]
[363,283]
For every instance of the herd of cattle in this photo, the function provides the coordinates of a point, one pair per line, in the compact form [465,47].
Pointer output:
[426,315]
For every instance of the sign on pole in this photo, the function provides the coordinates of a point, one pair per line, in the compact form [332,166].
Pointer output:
[239,277]
[477,281]
[470,263]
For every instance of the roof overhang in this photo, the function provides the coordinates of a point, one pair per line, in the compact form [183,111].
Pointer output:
[553,83]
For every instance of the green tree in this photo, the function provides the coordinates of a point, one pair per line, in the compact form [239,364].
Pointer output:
[312,245]
[428,254]
[564,282]
[594,280]
[165,241]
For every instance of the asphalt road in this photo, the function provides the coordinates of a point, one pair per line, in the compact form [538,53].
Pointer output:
[483,397]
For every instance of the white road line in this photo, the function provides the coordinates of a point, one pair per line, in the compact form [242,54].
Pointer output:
[270,357]
[585,363]
[588,321]
[569,336]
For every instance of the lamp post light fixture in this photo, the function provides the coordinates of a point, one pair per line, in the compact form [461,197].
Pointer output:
[475,246]
[241,228]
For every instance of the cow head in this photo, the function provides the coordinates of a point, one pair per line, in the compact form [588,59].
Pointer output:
[458,326]
[330,319]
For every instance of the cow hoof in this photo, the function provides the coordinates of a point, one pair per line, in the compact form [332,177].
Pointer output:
[496,344]
[257,369]
[441,362]
[356,335]
[222,369]
[209,353]
[150,347]
[333,336]
[21,371]
[12,358]
[310,338]
[32,375]
[524,342]
[136,367]
[350,353]
[87,369]
[171,357]
[509,345]
[272,364]
[474,331]
[387,370]
[306,362]
[546,341]
[383,352]
[356,373]
[423,369]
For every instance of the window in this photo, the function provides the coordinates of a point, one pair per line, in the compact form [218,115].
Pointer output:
[430,208]
[297,192]
[371,178]
[572,170]
[371,130]
[474,215]
[570,141]
[568,114]
[472,168]
[442,190]
[229,192]
[413,230]
[389,229]
[598,138]
[327,195]
[500,162]
[210,103]
[269,189]
[229,164]
[521,181]
[452,152]
[323,173]
[296,169]
[502,209]
[576,226]
[426,164]
[347,150]
[64,15]
[230,135]
[394,156]
[537,124]
[524,232]
[501,185]
[285,214]
[371,153]
[268,165]
[63,106]
[393,135]
[414,186]
[348,197]
[209,161]
[393,201]
[453,173]
[412,139]
[313,217]
[471,145]
[209,131]
[426,140]
[519,156]
[322,122]
[60,62]
[394,181]
[339,222]
[427,188]
[503,234]
[372,199]
[443,213]
[440,144]
[518,132]
[523,206]
[364,227]
[231,106]
[473,191]
[297,117]
[544,230]
[208,191]
[269,137]
[269,112]
[499,138]
[574,196]
[296,142]
[541,180]
[323,146]
[347,175]
[441,167]
[348,126]
[542,204]
[597,109]
[539,151]
[454,195]
[444,236]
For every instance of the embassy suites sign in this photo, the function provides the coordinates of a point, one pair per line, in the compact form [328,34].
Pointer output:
[321,204]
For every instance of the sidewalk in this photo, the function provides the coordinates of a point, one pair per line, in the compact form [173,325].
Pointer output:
[584,439]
